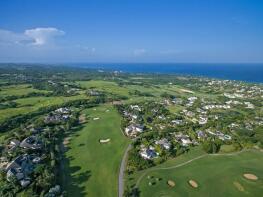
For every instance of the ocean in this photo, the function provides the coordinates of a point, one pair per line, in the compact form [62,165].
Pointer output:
[242,72]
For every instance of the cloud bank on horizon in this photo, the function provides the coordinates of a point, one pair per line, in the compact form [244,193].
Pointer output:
[138,31]
[38,36]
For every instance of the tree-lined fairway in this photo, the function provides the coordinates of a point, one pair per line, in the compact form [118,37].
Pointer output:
[216,175]
[91,168]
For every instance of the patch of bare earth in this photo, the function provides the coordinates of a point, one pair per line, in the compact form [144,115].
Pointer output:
[193,183]
[250,177]
[66,141]
[238,186]
[82,118]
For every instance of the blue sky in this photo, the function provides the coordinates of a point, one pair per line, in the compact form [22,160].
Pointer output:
[131,31]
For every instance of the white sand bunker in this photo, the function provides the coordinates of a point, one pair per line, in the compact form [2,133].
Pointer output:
[103,141]
[193,183]
[250,177]
[171,183]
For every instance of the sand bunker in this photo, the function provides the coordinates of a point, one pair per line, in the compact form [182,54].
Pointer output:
[250,177]
[104,140]
[238,186]
[193,183]
[187,91]
[171,183]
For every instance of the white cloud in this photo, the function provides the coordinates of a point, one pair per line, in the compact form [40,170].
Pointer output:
[139,52]
[9,37]
[38,36]
[41,36]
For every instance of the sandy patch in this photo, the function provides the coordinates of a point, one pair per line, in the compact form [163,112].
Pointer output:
[171,183]
[103,141]
[250,177]
[193,183]
[82,118]
[187,91]
[238,186]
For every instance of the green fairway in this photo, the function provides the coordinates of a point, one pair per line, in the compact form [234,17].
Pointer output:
[91,168]
[216,175]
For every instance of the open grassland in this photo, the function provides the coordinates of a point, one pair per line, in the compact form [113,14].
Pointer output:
[18,90]
[27,105]
[216,175]
[107,86]
[91,168]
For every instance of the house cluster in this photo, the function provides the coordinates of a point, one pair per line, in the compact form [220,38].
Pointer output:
[164,143]
[191,101]
[215,106]
[22,166]
[220,135]
[136,107]
[31,142]
[177,122]
[183,139]
[134,130]
[148,153]
[59,115]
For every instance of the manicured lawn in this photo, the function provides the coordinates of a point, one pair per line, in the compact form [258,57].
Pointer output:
[91,168]
[215,175]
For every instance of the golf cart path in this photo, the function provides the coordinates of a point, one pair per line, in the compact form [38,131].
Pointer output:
[187,162]
[122,169]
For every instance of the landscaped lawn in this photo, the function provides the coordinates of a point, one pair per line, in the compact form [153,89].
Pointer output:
[220,175]
[91,168]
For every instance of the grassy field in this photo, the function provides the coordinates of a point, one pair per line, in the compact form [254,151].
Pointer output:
[18,90]
[26,105]
[107,86]
[220,175]
[91,168]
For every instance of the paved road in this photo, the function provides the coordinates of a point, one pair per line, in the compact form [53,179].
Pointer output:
[122,169]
